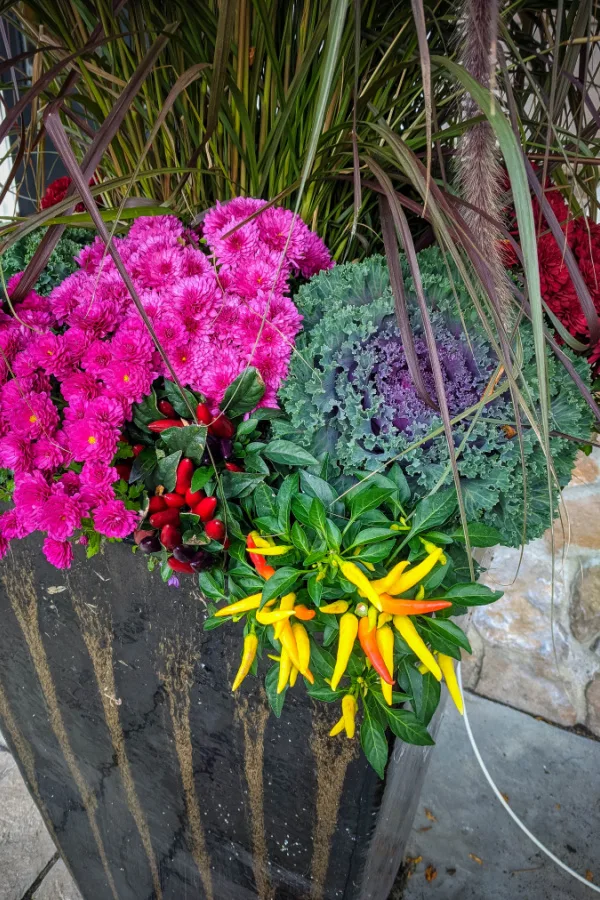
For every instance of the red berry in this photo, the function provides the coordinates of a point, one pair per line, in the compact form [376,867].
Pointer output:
[167,409]
[170,537]
[215,529]
[137,449]
[124,470]
[233,467]
[206,508]
[222,427]
[174,501]
[194,497]
[185,470]
[226,544]
[166,517]
[178,566]
[156,504]
[162,425]
[203,414]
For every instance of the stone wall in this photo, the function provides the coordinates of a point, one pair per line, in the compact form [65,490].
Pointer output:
[538,648]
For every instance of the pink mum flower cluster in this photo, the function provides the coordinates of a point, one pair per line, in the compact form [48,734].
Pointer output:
[73,364]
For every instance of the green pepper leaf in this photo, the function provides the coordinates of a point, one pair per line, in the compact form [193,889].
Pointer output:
[166,471]
[480,535]
[425,692]
[276,700]
[447,630]
[177,402]
[285,494]
[472,594]
[320,690]
[317,515]
[289,454]
[370,535]
[211,585]
[321,661]
[406,726]
[317,487]
[244,393]
[201,476]
[433,510]
[362,499]
[374,742]
[191,440]
[315,588]
[280,583]
[240,484]
[299,538]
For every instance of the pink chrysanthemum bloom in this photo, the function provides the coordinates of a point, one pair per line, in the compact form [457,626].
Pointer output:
[58,553]
[80,385]
[114,520]
[11,526]
[128,380]
[33,415]
[97,357]
[30,494]
[132,342]
[90,438]
[194,262]
[65,296]
[16,453]
[60,515]
[50,453]
[3,547]
[161,268]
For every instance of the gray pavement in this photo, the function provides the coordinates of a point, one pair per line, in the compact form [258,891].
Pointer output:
[464,846]
[467,845]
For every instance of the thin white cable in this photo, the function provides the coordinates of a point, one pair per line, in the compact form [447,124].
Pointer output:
[513,816]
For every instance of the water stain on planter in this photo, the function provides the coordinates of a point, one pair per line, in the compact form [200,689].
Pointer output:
[254,724]
[97,633]
[23,598]
[179,658]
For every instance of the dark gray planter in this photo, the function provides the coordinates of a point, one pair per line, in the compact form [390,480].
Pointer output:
[154,779]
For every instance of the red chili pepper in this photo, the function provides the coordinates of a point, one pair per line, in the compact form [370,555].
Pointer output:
[170,537]
[179,566]
[233,467]
[222,427]
[157,504]
[137,449]
[192,498]
[167,409]
[166,517]
[174,501]
[124,470]
[261,566]
[215,529]
[206,508]
[183,482]
[163,424]
[367,636]
[203,414]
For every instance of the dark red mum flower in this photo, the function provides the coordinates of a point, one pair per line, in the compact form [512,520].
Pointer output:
[57,191]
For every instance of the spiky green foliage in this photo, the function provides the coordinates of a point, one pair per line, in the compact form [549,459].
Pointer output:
[60,264]
[350,392]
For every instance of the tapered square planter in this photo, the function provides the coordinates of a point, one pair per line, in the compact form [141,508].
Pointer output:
[153,778]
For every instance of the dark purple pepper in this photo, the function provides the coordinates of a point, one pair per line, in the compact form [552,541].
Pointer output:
[213,449]
[200,561]
[226,448]
[184,552]
[150,544]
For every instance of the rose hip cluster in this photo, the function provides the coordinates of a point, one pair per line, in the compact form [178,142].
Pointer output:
[165,508]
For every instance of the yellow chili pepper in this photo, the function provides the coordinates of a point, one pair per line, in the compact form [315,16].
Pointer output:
[420,592]
[385,642]
[260,541]
[349,710]
[431,548]
[352,573]
[248,656]
[240,606]
[288,641]
[410,634]
[287,602]
[336,608]
[303,644]
[270,616]
[383,618]
[337,728]
[417,573]
[272,551]
[293,676]
[382,585]
[348,632]
[285,668]
[447,667]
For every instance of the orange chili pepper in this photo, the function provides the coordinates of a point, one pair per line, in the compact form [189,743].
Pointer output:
[304,613]
[411,607]
[367,635]
[263,568]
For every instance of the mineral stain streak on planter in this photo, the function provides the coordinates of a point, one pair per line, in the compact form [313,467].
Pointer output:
[156,780]
[21,591]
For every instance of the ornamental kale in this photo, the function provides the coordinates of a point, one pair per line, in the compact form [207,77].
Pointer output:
[61,263]
[350,393]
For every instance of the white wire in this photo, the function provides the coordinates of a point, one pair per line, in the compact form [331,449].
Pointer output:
[513,816]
